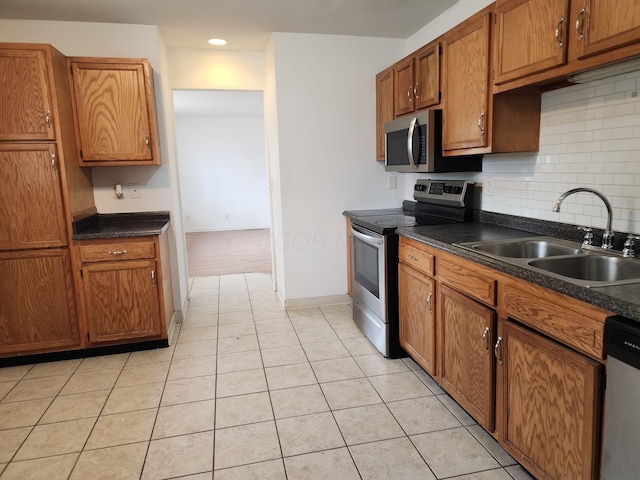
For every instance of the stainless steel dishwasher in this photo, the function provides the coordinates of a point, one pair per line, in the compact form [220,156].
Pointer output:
[621,430]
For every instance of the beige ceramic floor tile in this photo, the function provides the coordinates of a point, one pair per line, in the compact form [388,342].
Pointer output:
[347,330]
[390,460]
[325,350]
[240,383]
[317,334]
[50,468]
[234,296]
[453,452]
[5,387]
[10,441]
[498,474]
[236,362]
[75,407]
[189,390]
[90,382]
[235,317]
[121,428]
[136,397]
[236,329]
[359,346]
[142,374]
[262,315]
[245,444]
[242,343]
[287,376]
[350,393]
[199,321]
[519,473]
[243,409]
[179,456]
[271,470]
[34,388]
[308,433]
[203,298]
[274,325]
[421,415]
[50,369]
[429,382]
[204,348]
[336,369]
[197,476]
[378,365]
[367,424]
[492,446]
[55,439]
[456,410]
[292,402]
[229,307]
[399,386]
[273,357]
[156,355]
[196,310]
[192,367]
[198,334]
[103,362]
[22,414]
[278,339]
[8,374]
[303,312]
[329,464]
[306,322]
[185,418]
[338,309]
[122,462]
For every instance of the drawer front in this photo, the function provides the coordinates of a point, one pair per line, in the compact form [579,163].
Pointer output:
[417,259]
[117,251]
[469,281]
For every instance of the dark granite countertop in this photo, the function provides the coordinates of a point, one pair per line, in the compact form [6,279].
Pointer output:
[622,299]
[121,225]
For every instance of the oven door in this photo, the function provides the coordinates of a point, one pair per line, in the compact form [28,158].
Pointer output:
[368,269]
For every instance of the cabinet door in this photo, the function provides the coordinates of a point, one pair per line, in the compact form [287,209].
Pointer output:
[417,317]
[532,36]
[403,87]
[467,363]
[25,99]
[427,76]
[37,306]
[113,120]
[465,117]
[605,24]
[121,300]
[384,108]
[551,400]
[31,210]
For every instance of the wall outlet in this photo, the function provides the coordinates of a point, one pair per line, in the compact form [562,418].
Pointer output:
[391,182]
[134,191]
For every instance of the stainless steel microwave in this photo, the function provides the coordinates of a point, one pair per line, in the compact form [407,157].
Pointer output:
[413,143]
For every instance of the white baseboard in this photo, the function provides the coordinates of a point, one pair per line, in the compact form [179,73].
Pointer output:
[316,301]
[175,318]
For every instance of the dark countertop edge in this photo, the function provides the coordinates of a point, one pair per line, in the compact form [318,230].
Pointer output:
[613,298]
[121,225]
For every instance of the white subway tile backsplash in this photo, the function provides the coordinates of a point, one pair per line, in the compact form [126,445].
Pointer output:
[589,137]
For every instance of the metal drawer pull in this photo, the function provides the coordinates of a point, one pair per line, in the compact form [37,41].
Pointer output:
[429,301]
[411,257]
[415,92]
[481,123]
[147,142]
[117,252]
[559,32]
[497,351]
[485,338]
[579,24]
[47,119]
[409,95]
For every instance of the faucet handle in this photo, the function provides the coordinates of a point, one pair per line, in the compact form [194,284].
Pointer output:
[588,236]
[629,244]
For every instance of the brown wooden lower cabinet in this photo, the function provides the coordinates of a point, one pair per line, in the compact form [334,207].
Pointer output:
[37,307]
[467,362]
[552,402]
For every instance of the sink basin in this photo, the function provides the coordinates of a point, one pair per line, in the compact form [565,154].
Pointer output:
[592,270]
[537,247]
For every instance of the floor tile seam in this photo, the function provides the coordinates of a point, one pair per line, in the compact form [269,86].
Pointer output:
[328,450]
[21,443]
[422,433]
[473,473]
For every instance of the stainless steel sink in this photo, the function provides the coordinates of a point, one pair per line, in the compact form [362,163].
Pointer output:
[535,247]
[592,270]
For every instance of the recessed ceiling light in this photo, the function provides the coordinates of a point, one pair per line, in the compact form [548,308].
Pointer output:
[217,41]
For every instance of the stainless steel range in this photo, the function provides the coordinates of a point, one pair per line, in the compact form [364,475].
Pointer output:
[374,256]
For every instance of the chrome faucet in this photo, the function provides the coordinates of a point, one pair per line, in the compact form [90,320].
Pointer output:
[607,236]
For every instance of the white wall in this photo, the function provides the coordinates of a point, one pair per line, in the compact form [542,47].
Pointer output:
[325,94]
[223,172]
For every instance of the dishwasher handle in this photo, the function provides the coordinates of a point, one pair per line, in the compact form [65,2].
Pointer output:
[622,339]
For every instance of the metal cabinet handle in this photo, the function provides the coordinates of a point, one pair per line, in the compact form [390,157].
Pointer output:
[147,142]
[409,95]
[560,32]
[429,306]
[580,24]
[481,123]
[154,282]
[117,252]
[415,91]
[497,351]
[47,119]
[53,162]
[485,338]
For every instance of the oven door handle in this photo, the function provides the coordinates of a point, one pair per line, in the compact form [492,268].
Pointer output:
[376,240]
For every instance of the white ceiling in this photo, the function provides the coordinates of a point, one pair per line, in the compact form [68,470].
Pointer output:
[218,103]
[246,24]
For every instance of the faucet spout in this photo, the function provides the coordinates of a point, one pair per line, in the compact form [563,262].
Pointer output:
[607,236]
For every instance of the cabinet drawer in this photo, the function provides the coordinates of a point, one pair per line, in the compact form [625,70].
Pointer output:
[470,281]
[417,259]
[116,251]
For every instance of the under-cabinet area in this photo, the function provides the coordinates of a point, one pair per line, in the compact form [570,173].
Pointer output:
[525,362]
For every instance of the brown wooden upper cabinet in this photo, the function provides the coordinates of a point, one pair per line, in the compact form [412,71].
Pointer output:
[531,36]
[25,97]
[416,80]
[384,108]
[114,111]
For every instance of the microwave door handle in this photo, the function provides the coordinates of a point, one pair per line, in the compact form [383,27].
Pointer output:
[412,127]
